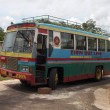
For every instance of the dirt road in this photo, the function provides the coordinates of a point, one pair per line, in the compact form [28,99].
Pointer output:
[81,95]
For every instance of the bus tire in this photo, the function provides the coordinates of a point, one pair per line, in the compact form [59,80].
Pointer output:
[98,74]
[53,79]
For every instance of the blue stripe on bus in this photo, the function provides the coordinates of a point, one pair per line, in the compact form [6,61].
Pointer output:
[26,63]
[67,53]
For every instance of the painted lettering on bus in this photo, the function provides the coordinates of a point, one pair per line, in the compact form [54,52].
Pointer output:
[79,52]
[97,53]
[88,53]
[76,52]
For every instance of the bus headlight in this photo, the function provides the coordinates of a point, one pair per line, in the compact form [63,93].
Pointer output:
[3,65]
[25,69]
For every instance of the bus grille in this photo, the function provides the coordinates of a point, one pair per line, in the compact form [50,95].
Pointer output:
[12,63]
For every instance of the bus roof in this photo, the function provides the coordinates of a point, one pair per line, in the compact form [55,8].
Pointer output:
[64,25]
[70,30]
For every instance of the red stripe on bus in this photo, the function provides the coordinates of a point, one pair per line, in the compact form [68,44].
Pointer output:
[81,77]
[4,59]
[106,72]
[27,59]
[78,77]
[44,31]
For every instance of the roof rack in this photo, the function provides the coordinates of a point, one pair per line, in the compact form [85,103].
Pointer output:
[62,22]
[52,20]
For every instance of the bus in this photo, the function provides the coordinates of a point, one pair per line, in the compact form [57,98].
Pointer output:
[38,52]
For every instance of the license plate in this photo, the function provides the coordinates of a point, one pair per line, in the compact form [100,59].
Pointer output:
[3,72]
[10,74]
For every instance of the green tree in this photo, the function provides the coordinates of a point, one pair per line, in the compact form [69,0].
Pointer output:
[2,33]
[90,25]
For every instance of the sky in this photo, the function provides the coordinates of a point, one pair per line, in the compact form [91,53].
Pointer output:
[75,10]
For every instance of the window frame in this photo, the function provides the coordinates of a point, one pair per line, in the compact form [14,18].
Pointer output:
[71,36]
[104,47]
[85,42]
[96,44]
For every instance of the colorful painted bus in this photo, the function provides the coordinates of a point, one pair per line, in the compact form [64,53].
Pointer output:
[45,53]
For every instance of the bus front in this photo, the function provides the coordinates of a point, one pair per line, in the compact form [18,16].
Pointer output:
[16,57]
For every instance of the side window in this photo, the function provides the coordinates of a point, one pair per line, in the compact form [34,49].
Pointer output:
[80,42]
[108,46]
[67,41]
[101,45]
[50,42]
[51,38]
[92,43]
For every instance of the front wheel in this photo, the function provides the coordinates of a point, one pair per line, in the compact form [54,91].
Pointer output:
[98,74]
[53,79]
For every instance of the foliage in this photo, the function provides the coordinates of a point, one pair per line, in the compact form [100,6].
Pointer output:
[2,33]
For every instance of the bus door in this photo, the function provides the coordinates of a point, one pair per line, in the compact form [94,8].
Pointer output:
[41,56]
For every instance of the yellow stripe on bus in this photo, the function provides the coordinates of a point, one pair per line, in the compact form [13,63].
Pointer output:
[71,32]
[26,55]
[81,57]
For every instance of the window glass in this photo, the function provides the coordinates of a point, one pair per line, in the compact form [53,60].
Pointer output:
[80,42]
[50,42]
[92,43]
[9,42]
[101,45]
[50,37]
[24,41]
[67,41]
[108,46]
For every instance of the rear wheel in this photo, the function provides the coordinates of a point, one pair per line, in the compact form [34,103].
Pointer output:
[53,79]
[98,74]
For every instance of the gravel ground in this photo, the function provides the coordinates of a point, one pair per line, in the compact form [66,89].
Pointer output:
[80,95]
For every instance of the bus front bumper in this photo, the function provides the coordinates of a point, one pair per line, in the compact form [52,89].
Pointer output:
[18,75]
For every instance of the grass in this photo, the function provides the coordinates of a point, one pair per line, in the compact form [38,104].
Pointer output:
[4,78]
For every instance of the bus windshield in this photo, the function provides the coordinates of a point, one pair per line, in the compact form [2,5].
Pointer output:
[20,41]
[9,42]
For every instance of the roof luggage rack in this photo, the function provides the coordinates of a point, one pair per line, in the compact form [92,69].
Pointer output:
[63,22]
[51,20]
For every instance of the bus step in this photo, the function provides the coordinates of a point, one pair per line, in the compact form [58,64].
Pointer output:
[40,64]
[40,72]
[40,67]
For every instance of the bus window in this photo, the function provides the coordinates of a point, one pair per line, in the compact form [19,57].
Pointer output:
[92,43]
[24,41]
[80,42]
[108,46]
[101,45]
[50,42]
[51,38]
[67,41]
[9,42]
[39,41]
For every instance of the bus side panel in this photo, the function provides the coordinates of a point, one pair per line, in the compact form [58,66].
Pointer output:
[76,67]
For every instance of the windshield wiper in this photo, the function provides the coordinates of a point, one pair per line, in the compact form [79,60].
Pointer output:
[26,38]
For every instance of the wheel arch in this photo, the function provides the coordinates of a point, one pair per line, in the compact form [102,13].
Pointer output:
[99,72]
[100,66]
[60,71]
